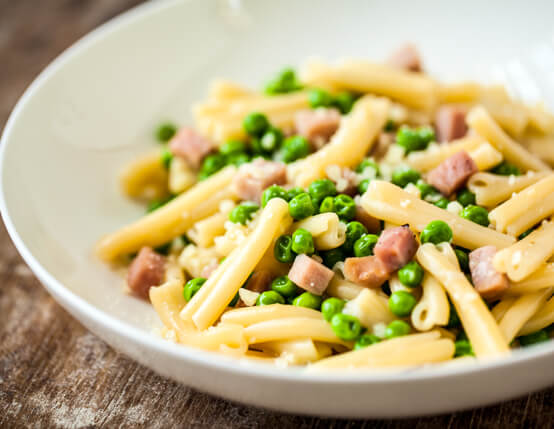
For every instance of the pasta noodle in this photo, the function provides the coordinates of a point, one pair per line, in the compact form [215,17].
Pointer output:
[145,177]
[480,120]
[520,312]
[492,189]
[526,256]
[386,201]
[542,278]
[508,212]
[432,309]
[327,231]
[412,89]
[251,315]
[428,159]
[173,219]
[482,330]
[245,261]
[542,318]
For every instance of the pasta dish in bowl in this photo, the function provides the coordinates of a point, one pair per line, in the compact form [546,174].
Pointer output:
[331,238]
[358,215]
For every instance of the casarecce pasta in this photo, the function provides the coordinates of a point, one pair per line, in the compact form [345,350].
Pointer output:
[353,215]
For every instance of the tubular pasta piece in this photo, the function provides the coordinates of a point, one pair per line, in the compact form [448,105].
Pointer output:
[526,256]
[492,189]
[171,220]
[522,309]
[384,200]
[247,316]
[542,318]
[481,121]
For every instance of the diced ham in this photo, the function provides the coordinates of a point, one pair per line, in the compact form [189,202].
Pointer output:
[190,146]
[317,125]
[372,224]
[252,178]
[310,275]
[450,123]
[146,270]
[396,247]
[369,271]
[259,281]
[406,57]
[452,173]
[487,281]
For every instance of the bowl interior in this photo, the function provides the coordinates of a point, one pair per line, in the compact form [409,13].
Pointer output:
[95,107]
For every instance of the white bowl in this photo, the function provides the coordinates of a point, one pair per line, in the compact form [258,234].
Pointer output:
[95,106]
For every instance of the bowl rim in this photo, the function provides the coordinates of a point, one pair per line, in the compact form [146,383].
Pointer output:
[127,332]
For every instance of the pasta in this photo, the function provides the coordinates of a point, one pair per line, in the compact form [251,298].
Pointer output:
[355,216]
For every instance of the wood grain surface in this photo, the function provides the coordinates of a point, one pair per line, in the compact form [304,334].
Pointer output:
[53,373]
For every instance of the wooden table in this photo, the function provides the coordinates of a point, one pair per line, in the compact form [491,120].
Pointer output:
[55,373]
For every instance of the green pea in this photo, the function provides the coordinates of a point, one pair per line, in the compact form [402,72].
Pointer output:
[506,169]
[330,307]
[453,318]
[301,206]
[283,249]
[463,348]
[234,300]
[321,188]
[354,231]
[319,98]
[442,203]
[270,297]
[257,149]
[274,191]
[232,146]
[436,232]
[368,163]
[534,338]
[165,132]
[466,197]
[363,185]
[364,245]
[255,124]
[238,158]
[397,328]
[345,207]
[271,140]
[414,139]
[403,175]
[365,341]
[284,82]
[284,286]
[295,147]
[463,259]
[425,189]
[327,205]
[331,257]
[344,101]
[193,286]
[308,300]
[293,192]
[401,303]
[526,233]
[302,242]
[243,212]
[411,274]
[346,327]
[166,157]
[476,214]
[212,164]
